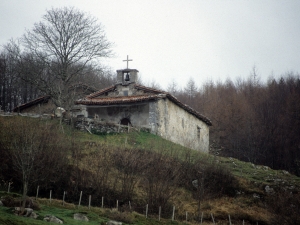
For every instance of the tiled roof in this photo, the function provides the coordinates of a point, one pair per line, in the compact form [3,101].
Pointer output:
[155,94]
[148,89]
[117,100]
[111,88]
[33,102]
[101,92]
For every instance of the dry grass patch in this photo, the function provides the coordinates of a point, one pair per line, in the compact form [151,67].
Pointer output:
[238,209]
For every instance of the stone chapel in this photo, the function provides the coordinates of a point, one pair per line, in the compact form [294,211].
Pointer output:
[129,103]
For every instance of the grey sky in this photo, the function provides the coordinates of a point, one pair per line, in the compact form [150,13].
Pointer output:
[178,39]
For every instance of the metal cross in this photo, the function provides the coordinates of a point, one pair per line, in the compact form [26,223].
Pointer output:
[127,61]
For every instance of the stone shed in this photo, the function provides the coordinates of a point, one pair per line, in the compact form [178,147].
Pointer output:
[128,103]
[45,105]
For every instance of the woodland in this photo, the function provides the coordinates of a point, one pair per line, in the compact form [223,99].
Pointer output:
[252,121]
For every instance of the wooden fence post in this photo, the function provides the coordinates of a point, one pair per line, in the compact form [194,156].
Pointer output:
[80,199]
[147,211]
[201,218]
[212,218]
[102,202]
[64,198]
[159,213]
[186,217]
[229,219]
[8,187]
[173,213]
[90,199]
[37,193]
[50,196]
[117,205]
[129,205]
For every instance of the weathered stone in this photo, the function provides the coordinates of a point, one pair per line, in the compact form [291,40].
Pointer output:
[195,183]
[266,167]
[112,222]
[256,195]
[79,216]
[53,219]
[268,189]
[239,192]
[59,112]
[33,215]
[27,211]
[285,172]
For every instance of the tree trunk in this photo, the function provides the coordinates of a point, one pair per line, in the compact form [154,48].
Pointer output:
[25,189]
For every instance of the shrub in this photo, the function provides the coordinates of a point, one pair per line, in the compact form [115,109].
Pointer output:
[9,201]
[285,207]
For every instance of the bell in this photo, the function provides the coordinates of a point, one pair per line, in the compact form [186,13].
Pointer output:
[127,77]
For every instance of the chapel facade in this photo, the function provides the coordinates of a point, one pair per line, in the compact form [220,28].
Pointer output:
[129,103]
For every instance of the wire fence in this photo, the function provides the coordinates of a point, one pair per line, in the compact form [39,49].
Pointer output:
[172,214]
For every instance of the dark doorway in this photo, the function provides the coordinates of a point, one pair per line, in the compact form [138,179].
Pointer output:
[125,121]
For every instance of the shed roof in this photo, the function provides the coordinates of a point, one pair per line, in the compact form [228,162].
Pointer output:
[43,99]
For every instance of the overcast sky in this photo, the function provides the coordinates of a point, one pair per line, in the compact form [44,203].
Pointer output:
[182,39]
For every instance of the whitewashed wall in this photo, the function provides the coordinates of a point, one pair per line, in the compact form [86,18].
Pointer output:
[179,126]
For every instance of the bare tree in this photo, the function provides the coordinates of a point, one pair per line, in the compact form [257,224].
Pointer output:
[63,45]
[34,149]
[172,87]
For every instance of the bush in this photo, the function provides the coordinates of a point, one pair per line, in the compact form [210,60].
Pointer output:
[211,180]
[9,201]
[125,217]
[285,207]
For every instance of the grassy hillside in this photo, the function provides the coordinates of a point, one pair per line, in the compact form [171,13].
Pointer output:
[145,169]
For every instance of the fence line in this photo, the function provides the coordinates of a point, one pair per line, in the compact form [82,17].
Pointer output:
[130,207]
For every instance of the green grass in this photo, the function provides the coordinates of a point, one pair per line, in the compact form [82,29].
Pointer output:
[65,213]
[259,174]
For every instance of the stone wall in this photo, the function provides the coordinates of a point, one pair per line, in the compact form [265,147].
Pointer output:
[179,126]
[98,127]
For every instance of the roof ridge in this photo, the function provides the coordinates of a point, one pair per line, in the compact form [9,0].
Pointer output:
[102,91]
[150,89]
[24,105]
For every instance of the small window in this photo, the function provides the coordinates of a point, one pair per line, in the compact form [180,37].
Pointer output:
[198,132]
[125,93]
